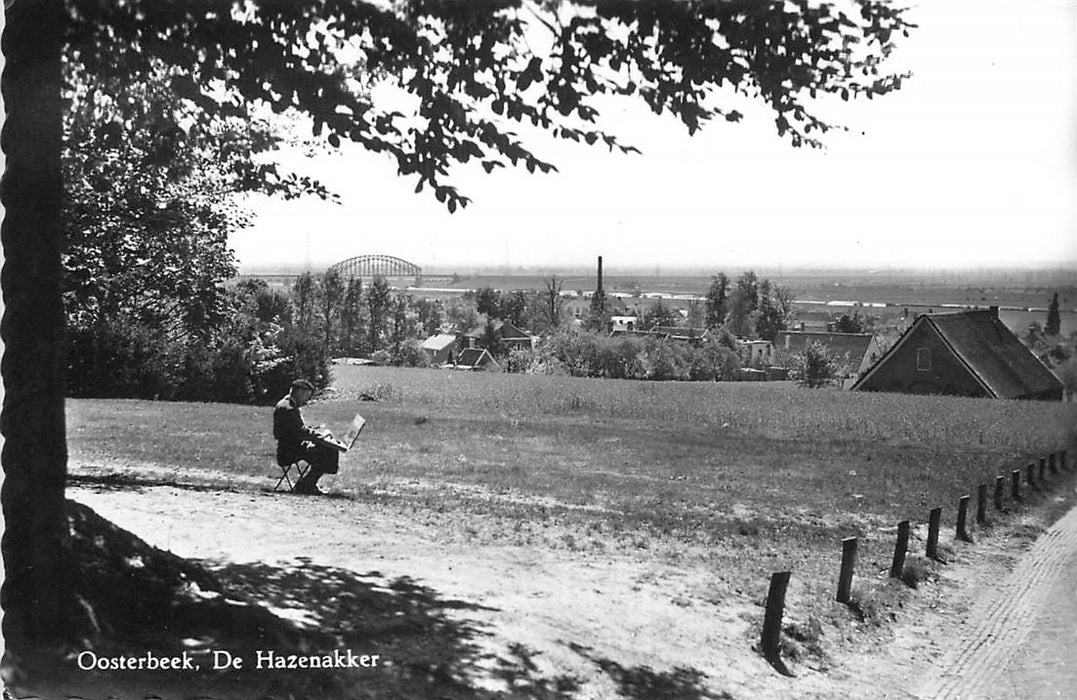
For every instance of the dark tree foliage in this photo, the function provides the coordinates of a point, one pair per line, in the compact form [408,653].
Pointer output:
[743,302]
[430,315]
[470,72]
[658,314]
[304,299]
[267,305]
[352,338]
[769,319]
[816,367]
[149,206]
[1054,321]
[491,339]
[849,324]
[716,300]
[332,301]
[552,307]
[488,302]
[514,308]
[378,303]
[470,79]
[748,291]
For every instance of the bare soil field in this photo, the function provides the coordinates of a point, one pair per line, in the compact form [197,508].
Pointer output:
[495,536]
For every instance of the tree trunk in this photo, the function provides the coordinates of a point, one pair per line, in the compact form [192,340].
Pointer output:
[32,419]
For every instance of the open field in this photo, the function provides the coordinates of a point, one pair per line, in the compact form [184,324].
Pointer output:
[684,462]
[701,490]
[527,425]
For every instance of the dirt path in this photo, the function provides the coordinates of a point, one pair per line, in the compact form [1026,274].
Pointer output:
[1021,632]
[606,625]
[614,624]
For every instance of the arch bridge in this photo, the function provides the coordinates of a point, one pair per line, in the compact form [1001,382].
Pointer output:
[371,265]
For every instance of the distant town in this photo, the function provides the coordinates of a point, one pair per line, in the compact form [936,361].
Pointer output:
[857,316]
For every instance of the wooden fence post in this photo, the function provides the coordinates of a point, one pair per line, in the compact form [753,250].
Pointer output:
[1031,475]
[900,550]
[1000,487]
[1043,467]
[962,519]
[1051,463]
[848,562]
[772,620]
[981,504]
[1015,485]
[933,522]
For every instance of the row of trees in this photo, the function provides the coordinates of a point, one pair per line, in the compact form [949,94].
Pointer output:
[541,312]
[182,333]
[580,353]
[349,319]
[749,307]
[256,339]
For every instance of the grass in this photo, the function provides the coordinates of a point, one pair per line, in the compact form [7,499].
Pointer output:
[748,478]
[694,459]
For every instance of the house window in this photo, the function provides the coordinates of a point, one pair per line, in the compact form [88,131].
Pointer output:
[923,359]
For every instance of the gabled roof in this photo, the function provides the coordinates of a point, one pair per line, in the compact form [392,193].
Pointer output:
[503,329]
[510,331]
[438,342]
[855,345]
[993,353]
[472,357]
[990,351]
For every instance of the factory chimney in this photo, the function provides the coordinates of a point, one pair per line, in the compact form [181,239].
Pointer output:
[599,291]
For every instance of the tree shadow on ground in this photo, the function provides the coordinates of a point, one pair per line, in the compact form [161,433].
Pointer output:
[644,683]
[119,481]
[131,598]
[191,481]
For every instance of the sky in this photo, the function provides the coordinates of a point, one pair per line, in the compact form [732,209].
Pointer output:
[972,164]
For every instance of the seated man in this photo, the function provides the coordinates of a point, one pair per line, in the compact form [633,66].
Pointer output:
[296,440]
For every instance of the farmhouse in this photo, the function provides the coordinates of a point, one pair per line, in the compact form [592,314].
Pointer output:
[441,348]
[475,359]
[509,335]
[860,350]
[755,353]
[514,337]
[969,353]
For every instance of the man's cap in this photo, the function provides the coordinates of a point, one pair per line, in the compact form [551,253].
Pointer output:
[302,384]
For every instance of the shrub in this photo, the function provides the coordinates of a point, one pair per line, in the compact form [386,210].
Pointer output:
[537,361]
[407,354]
[664,361]
[713,361]
[307,358]
[618,358]
[815,367]
[577,351]
[916,571]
